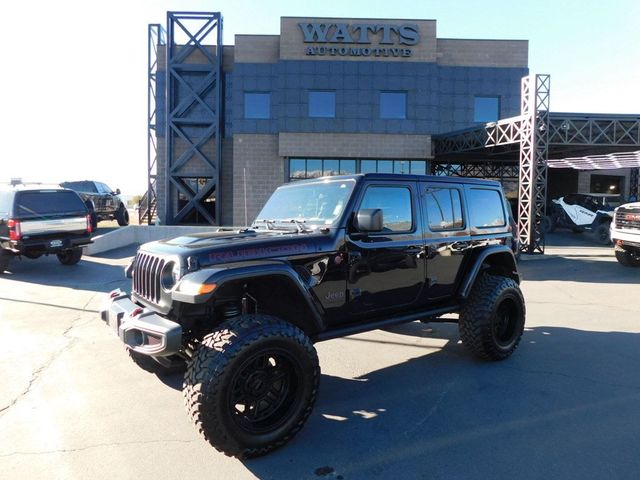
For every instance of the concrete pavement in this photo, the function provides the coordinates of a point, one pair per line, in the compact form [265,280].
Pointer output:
[404,403]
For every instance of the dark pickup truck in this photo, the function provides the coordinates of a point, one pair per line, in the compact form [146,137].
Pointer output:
[37,220]
[102,202]
[325,258]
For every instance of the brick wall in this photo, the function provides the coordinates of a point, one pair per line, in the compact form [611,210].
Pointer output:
[483,53]
[354,145]
[257,157]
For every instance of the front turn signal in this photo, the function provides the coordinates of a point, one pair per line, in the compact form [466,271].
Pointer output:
[206,288]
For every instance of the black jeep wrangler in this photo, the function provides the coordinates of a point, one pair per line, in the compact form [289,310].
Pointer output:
[325,258]
[102,202]
[36,220]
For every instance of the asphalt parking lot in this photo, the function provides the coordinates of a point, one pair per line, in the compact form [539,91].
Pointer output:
[404,403]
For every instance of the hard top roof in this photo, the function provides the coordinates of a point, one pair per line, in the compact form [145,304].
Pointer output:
[400,177]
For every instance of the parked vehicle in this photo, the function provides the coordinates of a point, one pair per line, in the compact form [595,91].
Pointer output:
[325,258]
[102,202]
[581,212]
[625,234]
[36,220]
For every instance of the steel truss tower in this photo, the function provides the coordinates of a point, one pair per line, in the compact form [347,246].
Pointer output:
[534,154]
[193,143]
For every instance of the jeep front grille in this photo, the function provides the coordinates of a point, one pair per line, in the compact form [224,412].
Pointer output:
[146,276]
[628,219]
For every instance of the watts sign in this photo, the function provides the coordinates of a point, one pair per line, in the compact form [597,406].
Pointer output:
[360,39]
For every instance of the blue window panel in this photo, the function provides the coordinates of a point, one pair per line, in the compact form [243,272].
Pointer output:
[393,104]
[385,166]
[347,167]
[297,169]
[257,105]
[418,167]
[322,104]
[486,109]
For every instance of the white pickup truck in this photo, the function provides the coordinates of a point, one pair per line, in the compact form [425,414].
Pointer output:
[625,234]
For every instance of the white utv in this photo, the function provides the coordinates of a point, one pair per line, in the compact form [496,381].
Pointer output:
[581,212]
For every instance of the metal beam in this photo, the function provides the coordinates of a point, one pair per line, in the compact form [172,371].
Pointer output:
[156,38]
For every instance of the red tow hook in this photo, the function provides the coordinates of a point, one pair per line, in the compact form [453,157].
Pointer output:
[136,311]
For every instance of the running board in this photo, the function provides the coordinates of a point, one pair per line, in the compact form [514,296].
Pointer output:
[386,322]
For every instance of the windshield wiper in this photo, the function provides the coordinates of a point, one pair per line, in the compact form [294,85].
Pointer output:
[299,224]
[269,223]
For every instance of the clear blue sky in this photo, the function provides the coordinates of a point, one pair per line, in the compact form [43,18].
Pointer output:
[73,82]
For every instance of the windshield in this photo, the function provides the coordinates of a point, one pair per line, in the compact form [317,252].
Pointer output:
[319,203]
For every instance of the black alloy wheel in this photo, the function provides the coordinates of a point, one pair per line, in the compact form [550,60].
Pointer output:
[264,390]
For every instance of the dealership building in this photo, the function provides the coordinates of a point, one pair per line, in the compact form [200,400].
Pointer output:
[327,96]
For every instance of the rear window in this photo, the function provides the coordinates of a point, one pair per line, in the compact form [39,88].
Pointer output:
[88,187]
[486,207]
[45,203]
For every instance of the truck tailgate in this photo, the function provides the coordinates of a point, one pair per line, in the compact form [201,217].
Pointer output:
[46,227]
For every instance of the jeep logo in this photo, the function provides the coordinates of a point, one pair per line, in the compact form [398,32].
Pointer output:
[334,296]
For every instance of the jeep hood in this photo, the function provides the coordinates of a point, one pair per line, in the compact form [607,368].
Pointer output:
[225,247]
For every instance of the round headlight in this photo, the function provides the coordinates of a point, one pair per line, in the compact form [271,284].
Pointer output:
[170,275]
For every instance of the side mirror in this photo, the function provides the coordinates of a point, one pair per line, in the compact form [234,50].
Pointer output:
[369,220]
[117,191]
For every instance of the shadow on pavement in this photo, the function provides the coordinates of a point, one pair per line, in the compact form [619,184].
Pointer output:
[89,274]
[565,405]
[576,268]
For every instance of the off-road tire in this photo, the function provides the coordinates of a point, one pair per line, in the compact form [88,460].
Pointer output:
[231,360]
[148,364]
[602,234]
[122,216]
[627,259]
[70,257]
[5,258]
[492,320]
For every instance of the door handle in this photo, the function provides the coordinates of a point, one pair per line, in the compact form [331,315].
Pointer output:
[417,251]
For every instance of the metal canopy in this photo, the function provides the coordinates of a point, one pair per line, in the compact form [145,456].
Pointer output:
[599,162]
[534,141]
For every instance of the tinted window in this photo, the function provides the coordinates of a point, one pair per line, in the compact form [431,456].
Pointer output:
[486,208]
[103,188]
[36,204]
[395,203]
[322,104]
[393,104]
[88,187]
[5,204]
[257,105]
[486,109]
[444,209]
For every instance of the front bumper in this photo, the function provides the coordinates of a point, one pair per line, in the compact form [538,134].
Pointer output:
[142,330]
[626,238]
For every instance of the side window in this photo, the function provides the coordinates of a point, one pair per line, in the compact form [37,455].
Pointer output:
[395,203]
[102,188]
[444,209]
[486,208]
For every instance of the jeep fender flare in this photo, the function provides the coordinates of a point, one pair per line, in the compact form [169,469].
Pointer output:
[221,276]
[498,259]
